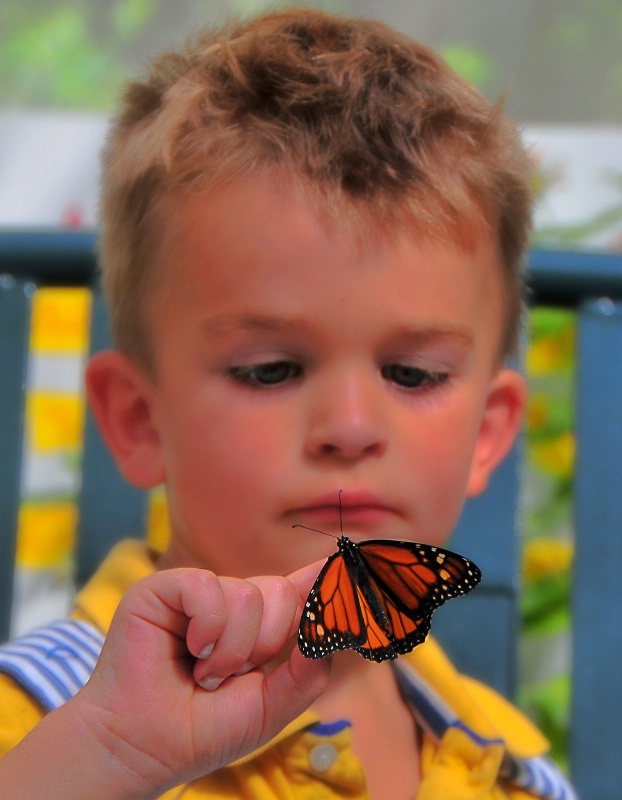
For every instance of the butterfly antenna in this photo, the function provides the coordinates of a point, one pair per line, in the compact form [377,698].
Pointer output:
[340,514]
[316,530]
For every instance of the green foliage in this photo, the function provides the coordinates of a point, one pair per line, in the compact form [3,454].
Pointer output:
[545,600]
[584,38]
[545,604]
[550,371]
[72,54]
[473,65]
[64,55]
[548,705]
[130,17]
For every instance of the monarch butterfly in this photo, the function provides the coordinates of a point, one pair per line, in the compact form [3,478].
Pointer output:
[377,597]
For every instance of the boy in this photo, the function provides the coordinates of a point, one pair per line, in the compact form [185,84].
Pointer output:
[311,237]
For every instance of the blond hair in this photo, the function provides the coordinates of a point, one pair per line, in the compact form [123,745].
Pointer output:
[373,123]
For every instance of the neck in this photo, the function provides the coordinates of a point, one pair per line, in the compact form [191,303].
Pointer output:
[384,734]
[352,678]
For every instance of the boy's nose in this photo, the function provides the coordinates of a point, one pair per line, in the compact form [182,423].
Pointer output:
[346,423]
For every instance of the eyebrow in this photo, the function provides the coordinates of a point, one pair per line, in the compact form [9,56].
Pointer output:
[432,335]
[225,323]
[419,336]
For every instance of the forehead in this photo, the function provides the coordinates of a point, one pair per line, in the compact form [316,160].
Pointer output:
[258,203]
[252,251]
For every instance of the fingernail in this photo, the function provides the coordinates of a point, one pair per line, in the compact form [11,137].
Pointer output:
[206,651]
[210,682]
[248,667]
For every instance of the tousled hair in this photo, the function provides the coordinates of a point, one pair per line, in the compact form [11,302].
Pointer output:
[374,126]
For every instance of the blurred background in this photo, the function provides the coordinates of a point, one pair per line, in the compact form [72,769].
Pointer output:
[559,62]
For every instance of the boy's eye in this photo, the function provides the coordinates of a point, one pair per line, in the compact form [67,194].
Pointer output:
[409,377]
[269,373]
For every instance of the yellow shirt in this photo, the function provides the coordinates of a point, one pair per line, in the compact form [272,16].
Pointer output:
[472,736]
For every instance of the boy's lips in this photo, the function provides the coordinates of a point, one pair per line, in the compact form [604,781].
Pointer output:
[357,507]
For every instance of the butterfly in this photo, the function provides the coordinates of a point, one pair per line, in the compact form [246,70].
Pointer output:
[377,597]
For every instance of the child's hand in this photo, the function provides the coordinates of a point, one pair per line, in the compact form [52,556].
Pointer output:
[158,717]
[172,718]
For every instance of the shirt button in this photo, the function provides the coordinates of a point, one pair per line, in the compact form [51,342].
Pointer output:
[322,757]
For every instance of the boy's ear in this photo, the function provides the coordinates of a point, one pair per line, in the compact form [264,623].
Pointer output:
[120,397]
[501,422]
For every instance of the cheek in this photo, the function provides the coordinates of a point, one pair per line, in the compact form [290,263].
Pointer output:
[444,496]
[445,443]
[441,465]
[228,448]
[250,441]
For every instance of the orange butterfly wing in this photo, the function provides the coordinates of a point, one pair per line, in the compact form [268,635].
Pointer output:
[418,577]
[332,618]
[400,634]
[378,597]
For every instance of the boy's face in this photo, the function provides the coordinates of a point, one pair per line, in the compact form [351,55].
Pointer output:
[292,361]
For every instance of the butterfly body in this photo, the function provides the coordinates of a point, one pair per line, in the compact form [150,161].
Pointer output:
[377,597]
[359,573]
